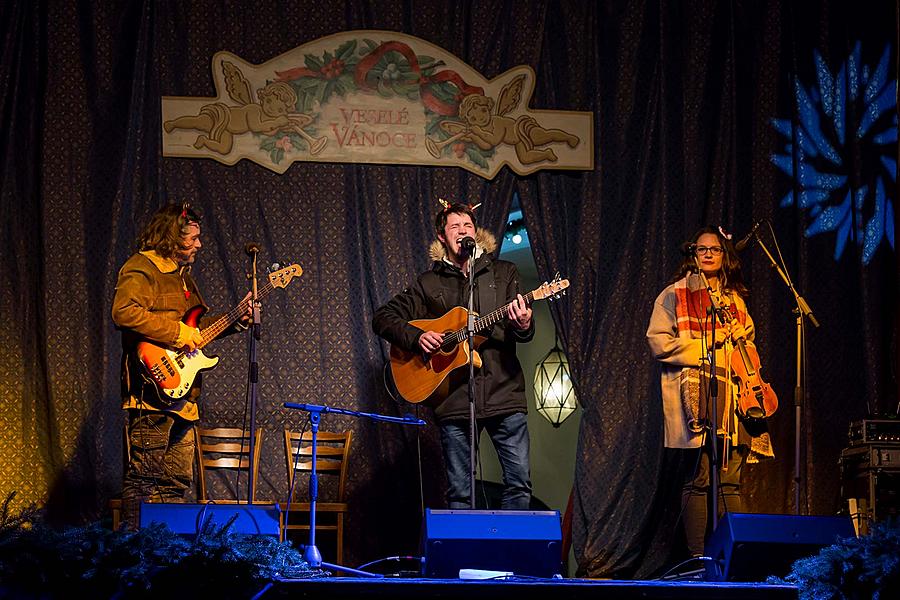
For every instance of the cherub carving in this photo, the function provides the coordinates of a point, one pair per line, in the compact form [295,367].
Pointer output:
[487,130]
[221,122]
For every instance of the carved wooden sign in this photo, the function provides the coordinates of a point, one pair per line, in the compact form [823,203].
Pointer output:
[374,97]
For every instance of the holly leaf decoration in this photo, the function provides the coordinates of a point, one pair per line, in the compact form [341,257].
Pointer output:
[277,155]
[345,51]
[313,63]
[476,157]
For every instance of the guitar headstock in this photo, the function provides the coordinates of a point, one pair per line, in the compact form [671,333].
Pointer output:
[282,277]
[551,290]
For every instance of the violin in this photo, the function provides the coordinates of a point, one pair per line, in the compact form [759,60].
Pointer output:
[755,399]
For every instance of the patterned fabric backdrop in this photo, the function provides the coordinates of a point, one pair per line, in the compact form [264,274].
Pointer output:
[684,98]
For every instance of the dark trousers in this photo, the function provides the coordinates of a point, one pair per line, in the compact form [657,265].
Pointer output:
[695,492]
[160,465]
[509,434]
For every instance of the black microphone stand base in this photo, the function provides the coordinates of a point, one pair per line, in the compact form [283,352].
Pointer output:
[310,552]
[357,572]
[312,555]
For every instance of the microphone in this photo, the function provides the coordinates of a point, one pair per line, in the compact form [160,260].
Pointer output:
[745,241]
[251,248]
[689,249]
[467,243]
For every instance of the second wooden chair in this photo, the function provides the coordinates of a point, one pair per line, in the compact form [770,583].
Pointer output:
[332,453]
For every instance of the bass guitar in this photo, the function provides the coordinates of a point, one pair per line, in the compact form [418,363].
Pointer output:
[173,371]
[419,376]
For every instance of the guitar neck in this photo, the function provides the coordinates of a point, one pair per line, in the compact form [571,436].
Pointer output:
[490,319]
[225,321]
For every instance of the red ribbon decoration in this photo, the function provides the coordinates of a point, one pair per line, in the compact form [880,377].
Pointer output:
[296,73]
[368,63]
[428,99]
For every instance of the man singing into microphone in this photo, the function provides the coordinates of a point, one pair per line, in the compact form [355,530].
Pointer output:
[500,405]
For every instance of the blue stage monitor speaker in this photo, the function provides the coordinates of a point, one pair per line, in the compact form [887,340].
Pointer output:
[523,542]
[750,547]
[257,519]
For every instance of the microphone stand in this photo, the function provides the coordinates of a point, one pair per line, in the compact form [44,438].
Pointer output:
[470,340]
[311,553]
[713,405]
[802,309]
[254,373]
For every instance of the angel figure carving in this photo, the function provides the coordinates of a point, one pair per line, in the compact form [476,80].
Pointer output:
[220,122]
[487,129]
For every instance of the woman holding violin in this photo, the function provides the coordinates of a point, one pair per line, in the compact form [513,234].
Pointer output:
[682,333]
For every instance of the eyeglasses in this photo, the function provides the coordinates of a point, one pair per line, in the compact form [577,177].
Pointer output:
[714,250]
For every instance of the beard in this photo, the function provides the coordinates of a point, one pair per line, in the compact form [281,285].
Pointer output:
[185,257]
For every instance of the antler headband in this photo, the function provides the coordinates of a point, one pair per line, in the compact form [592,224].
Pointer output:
[447,205]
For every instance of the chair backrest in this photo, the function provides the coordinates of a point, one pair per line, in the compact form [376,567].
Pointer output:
[332,453]
[226,448]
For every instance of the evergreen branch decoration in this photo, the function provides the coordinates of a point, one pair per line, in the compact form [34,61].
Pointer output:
[38,561]
[863,567]
[10,525]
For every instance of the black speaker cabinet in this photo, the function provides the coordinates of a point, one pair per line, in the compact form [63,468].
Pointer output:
[523,542]
[750,547]
[870,483]
[258,519]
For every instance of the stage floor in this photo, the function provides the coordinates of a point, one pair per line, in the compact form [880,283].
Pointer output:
[352,587]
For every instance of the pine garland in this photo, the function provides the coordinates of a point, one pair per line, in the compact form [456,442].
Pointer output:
[39,561]
[855,567]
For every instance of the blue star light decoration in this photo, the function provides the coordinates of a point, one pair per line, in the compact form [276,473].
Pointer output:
[841,153]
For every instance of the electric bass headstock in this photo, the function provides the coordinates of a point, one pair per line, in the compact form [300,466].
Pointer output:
[552,290]
[282,276]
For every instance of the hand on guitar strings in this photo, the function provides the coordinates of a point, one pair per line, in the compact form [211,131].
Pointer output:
[430,341]
[248,316]
[520,313]
[194,341]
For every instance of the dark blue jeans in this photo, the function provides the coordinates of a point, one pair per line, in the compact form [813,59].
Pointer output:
[509,434]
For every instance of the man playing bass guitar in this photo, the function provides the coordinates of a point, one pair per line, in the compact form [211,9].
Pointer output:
[154,290]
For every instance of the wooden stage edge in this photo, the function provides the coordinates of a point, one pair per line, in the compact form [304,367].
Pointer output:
[595,589]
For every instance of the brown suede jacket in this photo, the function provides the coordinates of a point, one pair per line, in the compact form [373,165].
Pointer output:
[152,295]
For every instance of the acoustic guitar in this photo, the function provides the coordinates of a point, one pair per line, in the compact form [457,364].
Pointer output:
[419,376]
[173,370]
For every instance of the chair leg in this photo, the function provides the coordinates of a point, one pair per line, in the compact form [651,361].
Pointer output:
[115,506]
[340,538]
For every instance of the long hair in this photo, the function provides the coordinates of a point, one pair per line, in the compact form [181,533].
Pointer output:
[730,275]
[163,233]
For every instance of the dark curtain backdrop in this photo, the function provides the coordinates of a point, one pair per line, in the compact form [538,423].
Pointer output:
[683,97]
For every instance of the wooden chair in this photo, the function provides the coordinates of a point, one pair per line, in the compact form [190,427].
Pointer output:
[115,510]
[227,449]
[332,452]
